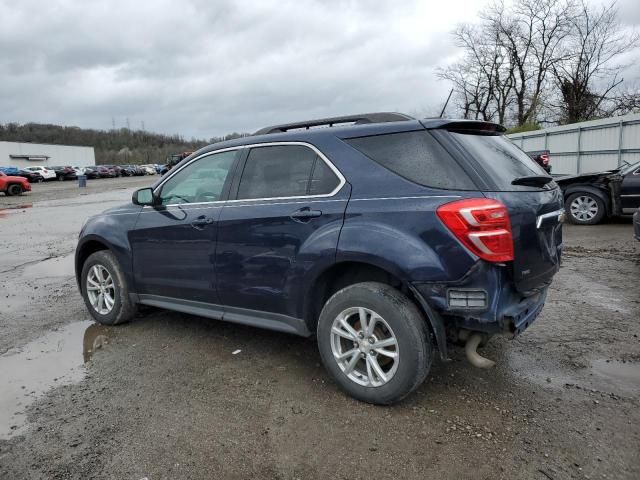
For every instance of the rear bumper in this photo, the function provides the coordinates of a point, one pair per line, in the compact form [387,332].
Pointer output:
[506,311]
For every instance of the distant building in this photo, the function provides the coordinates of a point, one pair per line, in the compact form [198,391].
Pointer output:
[15,154]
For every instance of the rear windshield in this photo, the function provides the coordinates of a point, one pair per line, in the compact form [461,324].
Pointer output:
[500,158]
[416,156]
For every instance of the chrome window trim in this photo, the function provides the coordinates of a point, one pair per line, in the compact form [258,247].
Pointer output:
[317,152]
[257,145]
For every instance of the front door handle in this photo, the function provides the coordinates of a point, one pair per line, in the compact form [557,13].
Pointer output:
[201,222]
[305,214]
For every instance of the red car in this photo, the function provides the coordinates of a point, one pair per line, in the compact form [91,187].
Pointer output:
[13,185]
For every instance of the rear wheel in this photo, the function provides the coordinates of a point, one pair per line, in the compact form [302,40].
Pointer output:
[374,342]
[584,208]
[14,189]
[105,290]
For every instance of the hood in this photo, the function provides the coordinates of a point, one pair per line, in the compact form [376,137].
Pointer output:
[126,208]
[584,176]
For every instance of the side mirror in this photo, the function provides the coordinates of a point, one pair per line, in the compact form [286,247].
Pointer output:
[144,196]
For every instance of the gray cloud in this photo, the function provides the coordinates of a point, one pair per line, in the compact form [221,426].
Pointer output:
[205,67]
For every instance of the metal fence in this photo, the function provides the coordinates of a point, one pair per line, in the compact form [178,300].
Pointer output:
[588,146]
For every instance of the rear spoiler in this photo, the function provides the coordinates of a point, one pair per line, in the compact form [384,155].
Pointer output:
[473,127]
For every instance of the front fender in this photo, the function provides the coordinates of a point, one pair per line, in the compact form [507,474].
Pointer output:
[110,230]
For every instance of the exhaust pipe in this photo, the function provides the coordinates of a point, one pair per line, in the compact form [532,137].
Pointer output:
[470,349]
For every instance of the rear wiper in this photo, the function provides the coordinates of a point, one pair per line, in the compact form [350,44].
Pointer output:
[532,180]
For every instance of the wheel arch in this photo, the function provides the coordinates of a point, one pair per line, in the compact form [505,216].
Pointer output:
[342,274]
[86,249]
[578,188]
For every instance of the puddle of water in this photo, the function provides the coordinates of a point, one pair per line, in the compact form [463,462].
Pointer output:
[51,267]
[55,359]
[624,375]
[604,376]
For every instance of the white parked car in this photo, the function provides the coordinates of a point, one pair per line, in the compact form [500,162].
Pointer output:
[47,173]
[148,169]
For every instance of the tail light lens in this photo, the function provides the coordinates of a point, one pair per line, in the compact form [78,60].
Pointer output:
[482,225]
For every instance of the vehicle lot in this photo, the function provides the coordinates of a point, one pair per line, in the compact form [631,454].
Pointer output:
[166,397]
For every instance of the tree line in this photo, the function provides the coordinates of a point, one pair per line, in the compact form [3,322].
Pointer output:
[119,146]
[543,62]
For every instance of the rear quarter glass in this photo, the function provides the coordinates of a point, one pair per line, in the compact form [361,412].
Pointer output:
[499,160]
[416,156]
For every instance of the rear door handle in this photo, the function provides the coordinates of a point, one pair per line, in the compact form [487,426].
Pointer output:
[201,222]
[305,214]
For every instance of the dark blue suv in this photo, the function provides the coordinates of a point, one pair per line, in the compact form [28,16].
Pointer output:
[386,236]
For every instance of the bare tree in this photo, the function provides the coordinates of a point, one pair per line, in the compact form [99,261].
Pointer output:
[532,33]
[590,73]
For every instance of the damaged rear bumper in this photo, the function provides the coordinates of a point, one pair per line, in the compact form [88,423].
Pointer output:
[491,303]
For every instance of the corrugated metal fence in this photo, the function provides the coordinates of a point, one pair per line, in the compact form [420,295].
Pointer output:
[588,146]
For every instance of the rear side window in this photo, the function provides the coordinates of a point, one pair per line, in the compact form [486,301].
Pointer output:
[500,159]
[285,171]
[416,156]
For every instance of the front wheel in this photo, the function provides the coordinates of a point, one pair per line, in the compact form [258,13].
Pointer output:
[105,290]
[584,208]
[374,342]
[14,189]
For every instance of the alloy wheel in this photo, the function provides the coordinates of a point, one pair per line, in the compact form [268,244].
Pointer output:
[584,208]
[364,347]
[100,289]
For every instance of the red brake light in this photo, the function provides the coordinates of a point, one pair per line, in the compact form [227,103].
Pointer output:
[482,225]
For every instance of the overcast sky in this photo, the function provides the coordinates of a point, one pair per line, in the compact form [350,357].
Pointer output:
[209,67]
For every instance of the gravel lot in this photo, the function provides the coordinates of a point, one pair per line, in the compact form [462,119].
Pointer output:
[164,397]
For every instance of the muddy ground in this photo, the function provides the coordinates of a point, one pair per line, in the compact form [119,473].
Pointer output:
[165,397]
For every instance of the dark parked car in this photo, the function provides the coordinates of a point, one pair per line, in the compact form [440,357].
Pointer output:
[542,158]
[91,173]
[105,172]
[385,238]
[33,177]
[592,197]
[65,173]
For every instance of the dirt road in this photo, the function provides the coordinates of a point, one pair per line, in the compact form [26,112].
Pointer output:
[165,397]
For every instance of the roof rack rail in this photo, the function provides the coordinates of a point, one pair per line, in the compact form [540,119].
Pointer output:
[377,117]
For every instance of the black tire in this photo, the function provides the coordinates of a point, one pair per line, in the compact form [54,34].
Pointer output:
[14,189]
[123,308]
[411,333]
[585,218]
[61,178]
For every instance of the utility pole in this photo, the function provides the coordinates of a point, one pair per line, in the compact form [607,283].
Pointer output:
[113,123]
[128,125]
[142,125]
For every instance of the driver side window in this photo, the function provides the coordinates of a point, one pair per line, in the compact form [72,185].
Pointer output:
[200,181]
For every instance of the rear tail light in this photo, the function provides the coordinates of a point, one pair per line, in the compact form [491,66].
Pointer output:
[482,225]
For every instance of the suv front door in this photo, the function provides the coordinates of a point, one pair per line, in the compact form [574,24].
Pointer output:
[283,218]
[630,191]
[174,243]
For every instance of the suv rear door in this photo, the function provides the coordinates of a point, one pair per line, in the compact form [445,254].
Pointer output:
[283,219]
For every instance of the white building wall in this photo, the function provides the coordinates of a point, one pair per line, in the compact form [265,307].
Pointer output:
[588,146]
[58,155]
